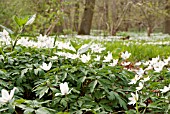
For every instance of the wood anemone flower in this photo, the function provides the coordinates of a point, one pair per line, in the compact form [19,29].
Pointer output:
[6,97]
[64,89]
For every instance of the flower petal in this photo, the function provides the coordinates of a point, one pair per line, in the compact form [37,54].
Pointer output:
[5,94]
[3,100]
[12,93]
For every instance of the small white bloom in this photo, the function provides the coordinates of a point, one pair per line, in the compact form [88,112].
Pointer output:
[154,60]
[53,58]
[133,99]
[125,63]
[96,48]
[134,80]
[64,89]
[108,58]
[165,89]
[146,63]
[146,79]
[149,68]
[46,67]
[140,86]
[85,58]
[125,55]
[114,63]
[97,58]
[72,56]
[5,37]
[138,64]
[6,96]
[158,66]
[166,61]
[140,72]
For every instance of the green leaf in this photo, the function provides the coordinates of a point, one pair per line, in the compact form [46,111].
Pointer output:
[104,85]
[42,111]
[63,102]
[28,111]
[3,109]
[106,107]
[75,45]
[152,105]
[63,113]
[111,97]
[43,91]
[20,21]
[24,71]
[82,79]
[92,85]
[36,71]
[65,76]
[121,102]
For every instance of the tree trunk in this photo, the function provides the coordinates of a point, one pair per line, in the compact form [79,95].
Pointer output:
[167,19]
[106,14]
[87,18]
[76,16]
[149,31]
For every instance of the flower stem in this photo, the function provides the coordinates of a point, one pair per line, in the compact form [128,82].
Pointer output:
[137,108]
[17,37]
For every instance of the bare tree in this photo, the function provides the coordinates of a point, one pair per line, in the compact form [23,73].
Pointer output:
[120,19]
[76,16]
[86,22]
[167,18]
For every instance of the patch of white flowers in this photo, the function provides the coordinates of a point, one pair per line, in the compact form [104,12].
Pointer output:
[155,64]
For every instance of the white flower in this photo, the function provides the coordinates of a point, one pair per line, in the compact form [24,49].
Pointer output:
[140,72]
[46,67]
[138,64]
[5,37]
[64,89]
[154,60]
[85,58]
[133,99]
[166,61]
[165,89]
[97,58]
[125,63]
[96,48]
[54,58]
[140,86]
[158,66]
[149,68]
[146,63]
[6,96]
[108,58]
[134,80]
[31,20]
[146,79]
[125,55]
[114,63]
[72,56]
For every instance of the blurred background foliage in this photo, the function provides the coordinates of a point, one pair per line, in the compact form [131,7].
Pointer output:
[65,16]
